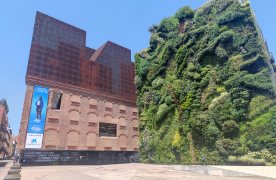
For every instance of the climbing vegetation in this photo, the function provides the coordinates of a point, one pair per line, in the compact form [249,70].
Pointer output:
[204,89]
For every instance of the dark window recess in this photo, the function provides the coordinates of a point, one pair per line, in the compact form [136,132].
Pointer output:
[107,129]
[107,148]
[75,103]
[108,109]
[123,127]
[123,148]
[135,113]
[92,124]
[135,129]
[52,120]
[56,100]
[93,107]
[73,122]
[50,147]
[123,111]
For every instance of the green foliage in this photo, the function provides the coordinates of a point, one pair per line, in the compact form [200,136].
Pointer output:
[245,161]
[184,13]
[226,146]
[212,133]
[176,139]
[235,63]
[163,110]
[230,128]
[262,132]
[221,52]
[221,89]
[157,83]
[187,103]
[258,105]
[229,17]
[142,67]
[259,158]
[168,25]
[204,87]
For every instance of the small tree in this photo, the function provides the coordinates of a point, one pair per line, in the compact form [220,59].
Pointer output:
[184,13]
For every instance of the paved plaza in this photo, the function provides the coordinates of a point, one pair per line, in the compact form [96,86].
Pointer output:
[117,172]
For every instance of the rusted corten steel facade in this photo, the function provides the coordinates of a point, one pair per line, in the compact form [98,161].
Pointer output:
[94,86]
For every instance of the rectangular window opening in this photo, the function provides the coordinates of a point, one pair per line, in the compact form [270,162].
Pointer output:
[123,111]
[93,107]
[56,100]
[109,130]
[108,109]
[73,122]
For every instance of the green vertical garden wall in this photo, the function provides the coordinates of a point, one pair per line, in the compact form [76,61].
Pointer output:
[205,89]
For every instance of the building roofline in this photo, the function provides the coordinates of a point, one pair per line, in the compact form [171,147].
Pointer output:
[59,21]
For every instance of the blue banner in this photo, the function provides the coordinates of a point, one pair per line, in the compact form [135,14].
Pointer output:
[37,117]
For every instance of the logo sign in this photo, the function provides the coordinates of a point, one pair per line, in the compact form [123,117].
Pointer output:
[34,141]
[37,117]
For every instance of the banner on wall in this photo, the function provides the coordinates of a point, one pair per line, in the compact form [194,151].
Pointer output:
[37,118]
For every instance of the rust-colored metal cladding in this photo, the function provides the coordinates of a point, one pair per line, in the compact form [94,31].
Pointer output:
[92,101]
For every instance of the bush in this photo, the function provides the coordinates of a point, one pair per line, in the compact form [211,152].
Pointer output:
[184,13]
[176,139]
[154,40]
[157,83]
[236,62]
[187,103]
[226,146]
[246,161]
[221,52]
[163,110]
[142,66]
[168,25]
[258,105]
[212,133]
[229,17]
[230,128]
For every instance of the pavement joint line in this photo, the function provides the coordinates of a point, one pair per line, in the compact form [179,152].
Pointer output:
[137,171]
[207,170]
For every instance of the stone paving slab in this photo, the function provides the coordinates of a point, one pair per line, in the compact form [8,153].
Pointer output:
[263,171]
[14,171]
[258,172]
[12,177]
[135,171]
[4,170]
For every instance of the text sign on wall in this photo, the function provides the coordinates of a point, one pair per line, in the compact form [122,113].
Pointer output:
[37,117]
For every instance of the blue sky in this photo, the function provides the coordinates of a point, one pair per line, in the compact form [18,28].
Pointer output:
[125,22]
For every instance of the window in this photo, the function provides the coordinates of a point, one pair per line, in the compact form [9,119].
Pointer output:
[93,107]
[75,103]
[123,127]
[53,120]
[108,109]
[73,122]
[92,124]
[56,100]
[107,129]
[123,111]
[134,113]
[135,128]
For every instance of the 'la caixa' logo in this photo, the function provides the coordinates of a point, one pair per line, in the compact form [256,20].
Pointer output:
[33,141]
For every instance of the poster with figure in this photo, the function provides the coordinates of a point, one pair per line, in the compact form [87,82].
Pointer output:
[37,117]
